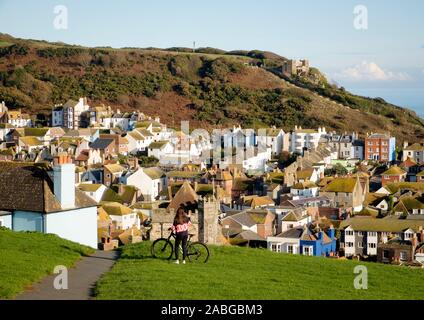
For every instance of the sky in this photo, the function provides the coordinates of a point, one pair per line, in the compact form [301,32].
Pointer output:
[377,51]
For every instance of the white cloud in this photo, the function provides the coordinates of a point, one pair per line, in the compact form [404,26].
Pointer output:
[370,71]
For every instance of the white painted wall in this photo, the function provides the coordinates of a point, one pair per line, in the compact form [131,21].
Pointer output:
[79,225]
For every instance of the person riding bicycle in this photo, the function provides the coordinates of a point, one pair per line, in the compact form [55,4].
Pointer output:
[180,228]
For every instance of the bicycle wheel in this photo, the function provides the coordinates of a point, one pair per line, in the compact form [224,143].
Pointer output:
[162,249]
[198,252]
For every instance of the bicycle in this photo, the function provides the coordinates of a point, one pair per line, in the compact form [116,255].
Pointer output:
[163,248]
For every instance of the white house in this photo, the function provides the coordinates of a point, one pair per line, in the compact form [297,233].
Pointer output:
[158,149]
[306,189]
[274,138]
[286,242]
[122,217]
[150,181]
[70,114]
[47,202]
[93,190]
[292,220]
[305,139]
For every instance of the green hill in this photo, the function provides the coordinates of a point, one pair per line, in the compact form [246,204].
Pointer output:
[253,274]
[26,257]
[209,87]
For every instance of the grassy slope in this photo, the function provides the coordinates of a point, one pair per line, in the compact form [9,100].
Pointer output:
[175,86]
[26,257]
[241,273]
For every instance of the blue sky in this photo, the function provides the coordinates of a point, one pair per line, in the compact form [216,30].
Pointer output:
[385,60]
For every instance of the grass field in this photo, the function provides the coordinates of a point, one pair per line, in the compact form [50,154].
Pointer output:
[254,274]
[26,257]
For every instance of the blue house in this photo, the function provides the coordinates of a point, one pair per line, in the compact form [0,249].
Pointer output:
[318,243]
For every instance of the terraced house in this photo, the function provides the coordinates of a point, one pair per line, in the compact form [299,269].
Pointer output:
[361,236]
[345,193]
[414,151]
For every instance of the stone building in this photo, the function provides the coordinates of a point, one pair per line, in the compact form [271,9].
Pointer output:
[203,211]
[296,67]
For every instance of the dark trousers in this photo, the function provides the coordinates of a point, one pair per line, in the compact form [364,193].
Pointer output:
[181,238]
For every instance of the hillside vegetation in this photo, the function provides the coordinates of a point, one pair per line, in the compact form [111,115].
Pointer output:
[209,87]
[253,274]
[26,257]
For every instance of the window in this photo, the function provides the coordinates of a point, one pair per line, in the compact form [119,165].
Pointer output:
[349,244]
[360,233]
[349,232]
[372,245]
[275,247]
[360,244]
[386,254]
[408,235]
[372,234]
[308,251]
[291,249]
[403,256]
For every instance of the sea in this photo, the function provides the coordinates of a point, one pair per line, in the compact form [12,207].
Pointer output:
[411,98]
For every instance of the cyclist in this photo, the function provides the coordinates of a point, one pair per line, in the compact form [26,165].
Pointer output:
[180,228]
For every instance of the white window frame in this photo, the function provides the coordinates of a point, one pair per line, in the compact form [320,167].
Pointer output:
[308,250]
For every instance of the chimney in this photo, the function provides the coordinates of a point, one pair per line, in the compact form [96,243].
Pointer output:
[405,144]
[170,192]
[64,181]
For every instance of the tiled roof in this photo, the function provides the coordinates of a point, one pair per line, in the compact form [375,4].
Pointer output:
[115,209]
[31,141]
[185,196]
[101,143]
[383,225]
[114,168]
[158,144]
[89,187]
[32,189]
[346,185]
[294,233]
[154,173]
[393,171]
[415,147]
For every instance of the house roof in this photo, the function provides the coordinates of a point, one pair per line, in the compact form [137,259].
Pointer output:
[304,185]
[304,174]
[249,236]
[36,132]
[185,196]
[102,215]
[32,189]
[346,185]
[250,218]
[294,233]
[136,135]
[158,144]
[256,201]
[383,225]
[396,186]
[114,168]
[408,163]
[394,171]
[89,187]
[154,173]
[101,143]
[31,141]
[115,208]
[415,147]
